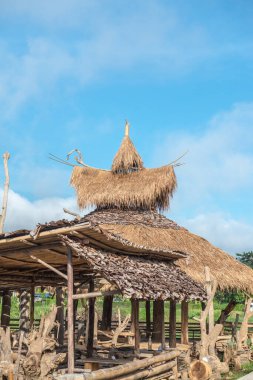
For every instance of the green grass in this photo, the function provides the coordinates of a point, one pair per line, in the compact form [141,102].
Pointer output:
[246,369]
[42,308]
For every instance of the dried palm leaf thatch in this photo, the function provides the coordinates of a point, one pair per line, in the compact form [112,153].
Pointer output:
[137,277]
[143,189]
[127,158]
[157,231]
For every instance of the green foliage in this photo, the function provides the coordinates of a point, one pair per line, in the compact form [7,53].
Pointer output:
[246,258]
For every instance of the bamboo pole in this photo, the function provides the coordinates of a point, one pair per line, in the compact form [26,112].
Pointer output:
[71,349]
[6,157]
[184,322]
[6,308]
[49,267]
[172,327]
[91,321]
[94,294]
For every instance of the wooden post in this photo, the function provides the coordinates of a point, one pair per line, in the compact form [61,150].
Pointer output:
[173,325]
[148,322]
[107,313]
[209,291]
[24,312]
[32,307]
[6,308]
[184,322]
[60,315]
[135,323]
[158,322]
[71,348]
[91,321]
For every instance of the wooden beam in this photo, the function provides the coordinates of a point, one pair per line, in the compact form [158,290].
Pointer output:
[71,348]
[91,320]
[95,294]
[107,313]
[6,308]
[135,323]
[172,327]
[60,315]
[184,322]
[148,320]
[50,266]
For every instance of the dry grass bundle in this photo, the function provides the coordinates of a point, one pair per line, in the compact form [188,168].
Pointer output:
[127,158]
[150,230]
[144,189]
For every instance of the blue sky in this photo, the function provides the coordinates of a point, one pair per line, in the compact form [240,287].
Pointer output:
[181,72]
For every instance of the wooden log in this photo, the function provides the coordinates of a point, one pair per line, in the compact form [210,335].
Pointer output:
[148,320]
[225,313]
[158,321]
[106,323]
[60,316]
[151,372]
[200,370]
[135,323]
[24,312]
[6,308]
[173,324]
[95,294]
[71,348]
[125,369]
[184,322]
[91,321]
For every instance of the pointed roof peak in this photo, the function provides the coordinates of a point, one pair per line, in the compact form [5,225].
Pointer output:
[127,159]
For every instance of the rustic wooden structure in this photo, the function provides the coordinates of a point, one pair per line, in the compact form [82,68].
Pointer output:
[141,254]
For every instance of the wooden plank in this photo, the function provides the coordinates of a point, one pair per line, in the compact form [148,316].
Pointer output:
[71,348]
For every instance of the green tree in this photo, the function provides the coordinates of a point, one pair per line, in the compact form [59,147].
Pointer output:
[246,258]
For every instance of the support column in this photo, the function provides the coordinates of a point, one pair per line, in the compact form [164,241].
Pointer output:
[71,348]
[209,291]
[60,315]
[32,307]
[91,321]
[6,308]
[135,323]
[24,312]
[148,322]
[172,329]
[107,313]
[158,322]
[184,322]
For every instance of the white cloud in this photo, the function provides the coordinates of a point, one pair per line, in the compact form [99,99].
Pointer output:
[219,161]
[25,214]
[229,234]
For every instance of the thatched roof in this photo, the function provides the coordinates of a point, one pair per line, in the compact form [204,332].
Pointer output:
[127,158]
[150,228]
[139,278]
[127,186]
[144,189]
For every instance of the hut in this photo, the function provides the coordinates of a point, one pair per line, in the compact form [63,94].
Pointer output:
[125,246]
